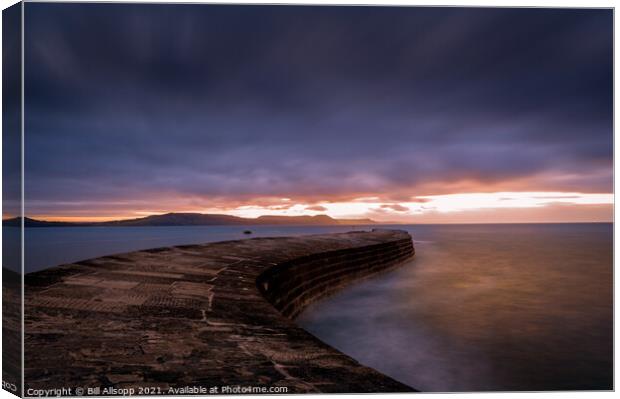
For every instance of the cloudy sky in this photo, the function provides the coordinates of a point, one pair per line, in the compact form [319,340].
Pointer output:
[399,114]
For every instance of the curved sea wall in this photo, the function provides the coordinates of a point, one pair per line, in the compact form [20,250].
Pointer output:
[292,285]
[202,317]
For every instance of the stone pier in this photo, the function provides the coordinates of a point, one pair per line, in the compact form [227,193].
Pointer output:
[213,315]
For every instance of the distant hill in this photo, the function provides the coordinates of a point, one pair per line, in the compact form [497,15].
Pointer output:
[180,219]
[28,222]
[196,219]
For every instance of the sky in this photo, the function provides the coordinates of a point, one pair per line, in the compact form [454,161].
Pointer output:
[409,115]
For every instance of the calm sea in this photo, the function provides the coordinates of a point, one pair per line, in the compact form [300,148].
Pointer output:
[480,307]
[484,307]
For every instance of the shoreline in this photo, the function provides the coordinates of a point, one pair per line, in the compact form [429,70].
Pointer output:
[203,315]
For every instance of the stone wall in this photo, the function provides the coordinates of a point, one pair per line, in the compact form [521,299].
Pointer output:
[196,316]
[291,286]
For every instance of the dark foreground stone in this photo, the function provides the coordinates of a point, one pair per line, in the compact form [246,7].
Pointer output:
[207,316]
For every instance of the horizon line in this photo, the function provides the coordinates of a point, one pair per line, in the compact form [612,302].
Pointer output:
[118,218]
[375,222]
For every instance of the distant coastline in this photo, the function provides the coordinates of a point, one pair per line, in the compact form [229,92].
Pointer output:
[195,219]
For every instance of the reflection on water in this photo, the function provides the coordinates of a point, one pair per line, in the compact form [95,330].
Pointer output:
[484,307]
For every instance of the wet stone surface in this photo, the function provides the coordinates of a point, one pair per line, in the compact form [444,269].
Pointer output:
[202,315]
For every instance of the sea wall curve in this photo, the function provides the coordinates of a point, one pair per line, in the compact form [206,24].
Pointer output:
[182,319]
[292,285]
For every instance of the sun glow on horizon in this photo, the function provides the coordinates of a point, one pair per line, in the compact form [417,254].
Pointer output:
[462,202]
[413,209]
[447,203]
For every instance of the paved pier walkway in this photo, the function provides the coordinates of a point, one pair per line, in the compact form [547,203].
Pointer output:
[210,315]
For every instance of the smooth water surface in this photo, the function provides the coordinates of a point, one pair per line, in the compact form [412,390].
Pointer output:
[484,307]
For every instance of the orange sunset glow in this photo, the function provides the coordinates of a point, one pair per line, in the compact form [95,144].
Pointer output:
[508,207]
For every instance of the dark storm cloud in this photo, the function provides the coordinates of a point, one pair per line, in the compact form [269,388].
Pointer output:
[11,111]
[238,101]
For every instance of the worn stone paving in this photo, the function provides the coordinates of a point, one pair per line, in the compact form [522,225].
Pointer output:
[194,316]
